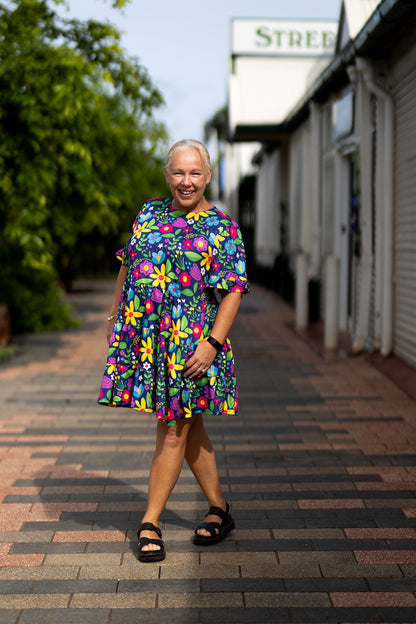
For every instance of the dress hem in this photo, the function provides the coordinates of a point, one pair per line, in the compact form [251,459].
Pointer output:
[152,411]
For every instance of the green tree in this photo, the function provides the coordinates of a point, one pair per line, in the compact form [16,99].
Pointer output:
[79,150]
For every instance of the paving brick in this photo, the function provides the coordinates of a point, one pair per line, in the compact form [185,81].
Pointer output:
[287,599]
[218,570]
[351,570]
[172,558]
[308,534]
[159,586]
[200,600]
[373,599]
[89,536]
[106,547]
[242,585]
[9,616]
[280,571]
[327,584]
[383,533]
[321,490]
[398,614]
[82,559]
[64,616]
[72,586]
[113,601]
[358,544]
[24,548]
[16,587]
[387,556]
[155,616]
[25,560]
[136,571]
[211,558]
[56,572]
[31,601]
[248,616]
[31,536]
[319,558]
[396,584]
[351,615]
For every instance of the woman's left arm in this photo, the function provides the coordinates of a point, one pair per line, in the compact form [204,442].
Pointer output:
[227,311]
[205,352]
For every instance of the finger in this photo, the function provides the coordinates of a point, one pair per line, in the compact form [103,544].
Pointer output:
[202,370]
[196,371]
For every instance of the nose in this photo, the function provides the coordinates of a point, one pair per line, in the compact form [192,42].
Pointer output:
[186,180]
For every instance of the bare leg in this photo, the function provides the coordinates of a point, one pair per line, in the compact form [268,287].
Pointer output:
[165,470]
[200,456]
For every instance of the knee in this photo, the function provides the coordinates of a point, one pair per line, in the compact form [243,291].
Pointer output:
[175,438]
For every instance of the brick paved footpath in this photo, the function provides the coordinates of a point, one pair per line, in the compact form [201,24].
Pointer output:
[320,468]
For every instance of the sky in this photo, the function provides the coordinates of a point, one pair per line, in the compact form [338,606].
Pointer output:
[185,46]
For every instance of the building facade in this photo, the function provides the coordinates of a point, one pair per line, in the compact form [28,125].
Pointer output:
[335,186]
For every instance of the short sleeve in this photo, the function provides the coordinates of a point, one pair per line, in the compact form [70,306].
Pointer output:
[228,267]
[124,254]
[121,255]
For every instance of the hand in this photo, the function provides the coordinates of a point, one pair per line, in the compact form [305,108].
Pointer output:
[200,360]
[109,330]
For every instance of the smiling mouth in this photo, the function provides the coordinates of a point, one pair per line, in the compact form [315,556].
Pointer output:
[186,193]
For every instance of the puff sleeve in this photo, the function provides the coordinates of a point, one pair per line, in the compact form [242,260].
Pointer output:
[228,268]
[124,254]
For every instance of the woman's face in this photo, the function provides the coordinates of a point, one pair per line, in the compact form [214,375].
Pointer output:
[187,180]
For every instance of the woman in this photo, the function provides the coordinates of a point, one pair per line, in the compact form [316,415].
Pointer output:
[167,332]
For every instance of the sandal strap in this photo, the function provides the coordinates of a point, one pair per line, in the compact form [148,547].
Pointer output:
[145,541]
[148,526]
[217,511]
[211,527]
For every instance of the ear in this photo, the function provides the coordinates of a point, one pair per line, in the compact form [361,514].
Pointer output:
[209,176]
[166,175]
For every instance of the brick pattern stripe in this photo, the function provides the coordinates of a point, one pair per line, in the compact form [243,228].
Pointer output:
[319,465]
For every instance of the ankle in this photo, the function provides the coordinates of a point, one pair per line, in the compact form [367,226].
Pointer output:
[221,503]
[149,520]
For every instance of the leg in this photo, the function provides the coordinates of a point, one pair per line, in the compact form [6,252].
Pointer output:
[200,457]
[165,470]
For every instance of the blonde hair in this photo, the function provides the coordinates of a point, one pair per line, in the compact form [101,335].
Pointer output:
[186,144]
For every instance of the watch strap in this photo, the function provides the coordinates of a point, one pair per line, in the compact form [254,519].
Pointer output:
[215,343]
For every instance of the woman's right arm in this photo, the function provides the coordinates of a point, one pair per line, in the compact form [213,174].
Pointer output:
[121,278]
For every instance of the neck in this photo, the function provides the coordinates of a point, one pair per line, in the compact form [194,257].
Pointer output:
[201,206]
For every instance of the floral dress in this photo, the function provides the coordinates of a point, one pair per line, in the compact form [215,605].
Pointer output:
[175,262]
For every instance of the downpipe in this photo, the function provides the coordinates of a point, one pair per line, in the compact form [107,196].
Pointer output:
[386,196]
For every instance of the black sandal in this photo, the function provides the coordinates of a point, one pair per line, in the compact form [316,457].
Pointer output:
[217,531]
[146,556]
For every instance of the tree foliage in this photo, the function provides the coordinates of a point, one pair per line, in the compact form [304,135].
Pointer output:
[79,150]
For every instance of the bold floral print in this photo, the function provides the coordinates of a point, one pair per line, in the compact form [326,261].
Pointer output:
[168,304]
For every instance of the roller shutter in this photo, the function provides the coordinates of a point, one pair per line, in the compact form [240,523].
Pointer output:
[405,213]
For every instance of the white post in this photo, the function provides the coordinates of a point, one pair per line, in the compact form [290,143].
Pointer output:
[301,293]
[386,198]
[388,223]
[331,303]
[362,326]
[315,195]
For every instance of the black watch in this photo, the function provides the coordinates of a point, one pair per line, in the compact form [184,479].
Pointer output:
[217,345]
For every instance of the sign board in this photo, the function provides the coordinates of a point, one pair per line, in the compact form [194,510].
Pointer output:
[289,38]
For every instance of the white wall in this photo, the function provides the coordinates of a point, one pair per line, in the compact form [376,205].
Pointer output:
[264,90]
[238,158]
[268,197]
